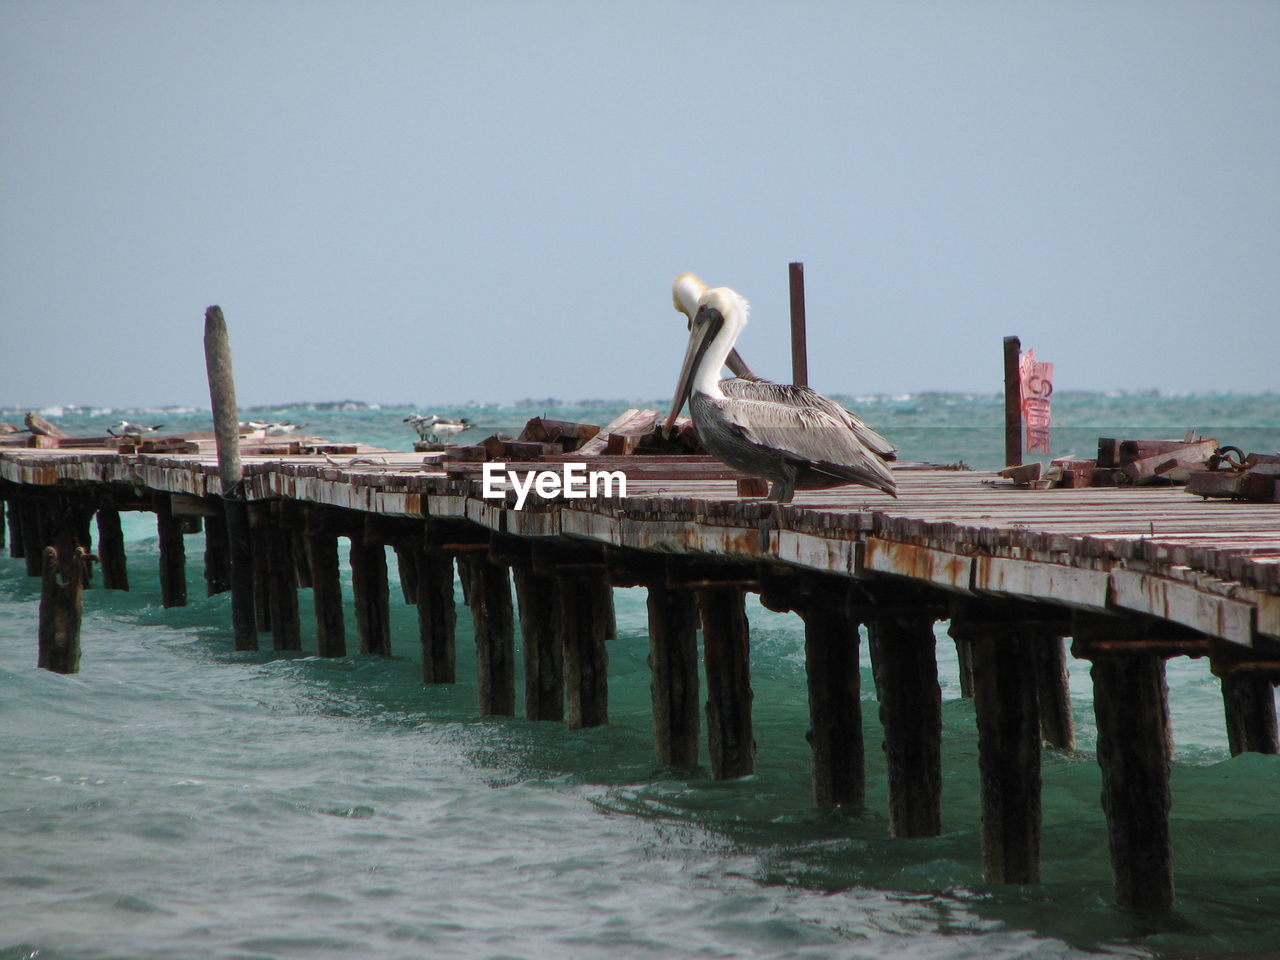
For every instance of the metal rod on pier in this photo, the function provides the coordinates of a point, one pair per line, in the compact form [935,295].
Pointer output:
[1012,403]
[799,346]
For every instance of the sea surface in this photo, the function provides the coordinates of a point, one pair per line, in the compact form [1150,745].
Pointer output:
[177,799]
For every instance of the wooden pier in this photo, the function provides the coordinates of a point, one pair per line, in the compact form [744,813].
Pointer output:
[1131,575]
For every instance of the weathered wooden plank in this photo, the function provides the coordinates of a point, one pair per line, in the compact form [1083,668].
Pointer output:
[1036,581]
[1182,603]
[940,568]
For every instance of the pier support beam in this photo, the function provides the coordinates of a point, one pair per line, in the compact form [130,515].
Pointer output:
[371,593]
[60,610]
[673,660]
[1130,700]
[259,512]
[217,555]
[173,554]
[726,656]
[541,632]
[1248,700]
[35,535]
[904,657]
[326,587]
[437,616]
[489,597]
[111,553]
[286,630]
[13,508]
[586,626]
[1053,687]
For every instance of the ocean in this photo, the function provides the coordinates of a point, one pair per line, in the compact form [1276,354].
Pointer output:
[177,799]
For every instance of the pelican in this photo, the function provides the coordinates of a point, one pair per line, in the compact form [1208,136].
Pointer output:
[685,292]
[792,442]
[126,428]
[436,427]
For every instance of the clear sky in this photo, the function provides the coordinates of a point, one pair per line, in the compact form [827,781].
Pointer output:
[437,202]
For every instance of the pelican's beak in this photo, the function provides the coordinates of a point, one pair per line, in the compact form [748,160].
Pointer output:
[705,327]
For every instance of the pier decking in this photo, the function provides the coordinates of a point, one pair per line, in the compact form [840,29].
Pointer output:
[1132,575]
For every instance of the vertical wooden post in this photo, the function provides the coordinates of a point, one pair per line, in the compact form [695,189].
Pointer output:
[538,599]
[217,554]
[1005,702]
[286,631]
[1053,689]
[111,554]
[726,657]
[371,594]
[799,343]
[673,659]
[904,657]
[226,425]
[831,646]
[14,509]
[35,534]
[489,596]
[259,515]
[964,658]
[326,587]
[437,616]
[60,609]
[3,525]
[173,554]
[1012,403]
[407,569]
[1250,706]
[586,624]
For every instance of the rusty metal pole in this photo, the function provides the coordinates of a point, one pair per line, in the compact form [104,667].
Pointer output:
[799,347]
[1012,403]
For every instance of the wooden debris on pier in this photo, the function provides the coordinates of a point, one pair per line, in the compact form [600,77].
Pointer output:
[1121,463]
[1256,477]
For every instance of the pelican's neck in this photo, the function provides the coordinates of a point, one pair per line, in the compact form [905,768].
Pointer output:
[734,309]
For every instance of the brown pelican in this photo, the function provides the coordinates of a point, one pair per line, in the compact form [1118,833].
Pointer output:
[685,292]
[794,443]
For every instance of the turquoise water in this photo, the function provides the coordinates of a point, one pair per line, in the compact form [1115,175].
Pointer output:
[178,799]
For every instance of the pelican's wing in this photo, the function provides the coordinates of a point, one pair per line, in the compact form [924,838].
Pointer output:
[793,396]
[809,436]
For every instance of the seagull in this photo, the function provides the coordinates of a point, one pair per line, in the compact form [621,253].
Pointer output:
[794,442]
[437,428]
[127,428]
[685,291]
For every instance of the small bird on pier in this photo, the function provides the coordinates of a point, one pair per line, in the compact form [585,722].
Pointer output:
[437,428]
[127,428]
[685,292]
[794,442]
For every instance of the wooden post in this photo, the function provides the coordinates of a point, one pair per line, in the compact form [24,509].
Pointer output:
[371,594]
[586,624]
[35,534]
[226,425]
[60,608]
[3,525]
[904,658]
[673,659]
[726,657]
[326,587]
[1250,706]
[14,509]
[831,646]
[489,596]
[437,616]
[1012,403]
[964,658]
[1053,689]
[173,554]
[259,514]
[407,568]
[111,554]
[286,631]
[217,555]
[1130,702]
[541,632]
[799,344]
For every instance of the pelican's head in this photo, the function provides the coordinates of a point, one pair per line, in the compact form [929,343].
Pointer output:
[721,315]
[685,293]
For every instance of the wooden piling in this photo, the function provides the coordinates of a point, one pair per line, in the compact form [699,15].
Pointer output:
[799,343]
[407,569]
[13,508]
[60,611]
[260,542]
[1249,703]
[437,616]
[538,599]
[964,658]
[904,658]
[673,660]
[831,647]
[586,625]
[226,425]
[1053,688]
[286,631]
[1012,403]
[726,658]
[489,596]
[370,591]
[111,552]
[35,535]
[217,556]
[173,554]
[326,585]
[1130,702]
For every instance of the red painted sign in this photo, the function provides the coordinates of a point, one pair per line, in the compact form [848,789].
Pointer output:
[1037,386]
